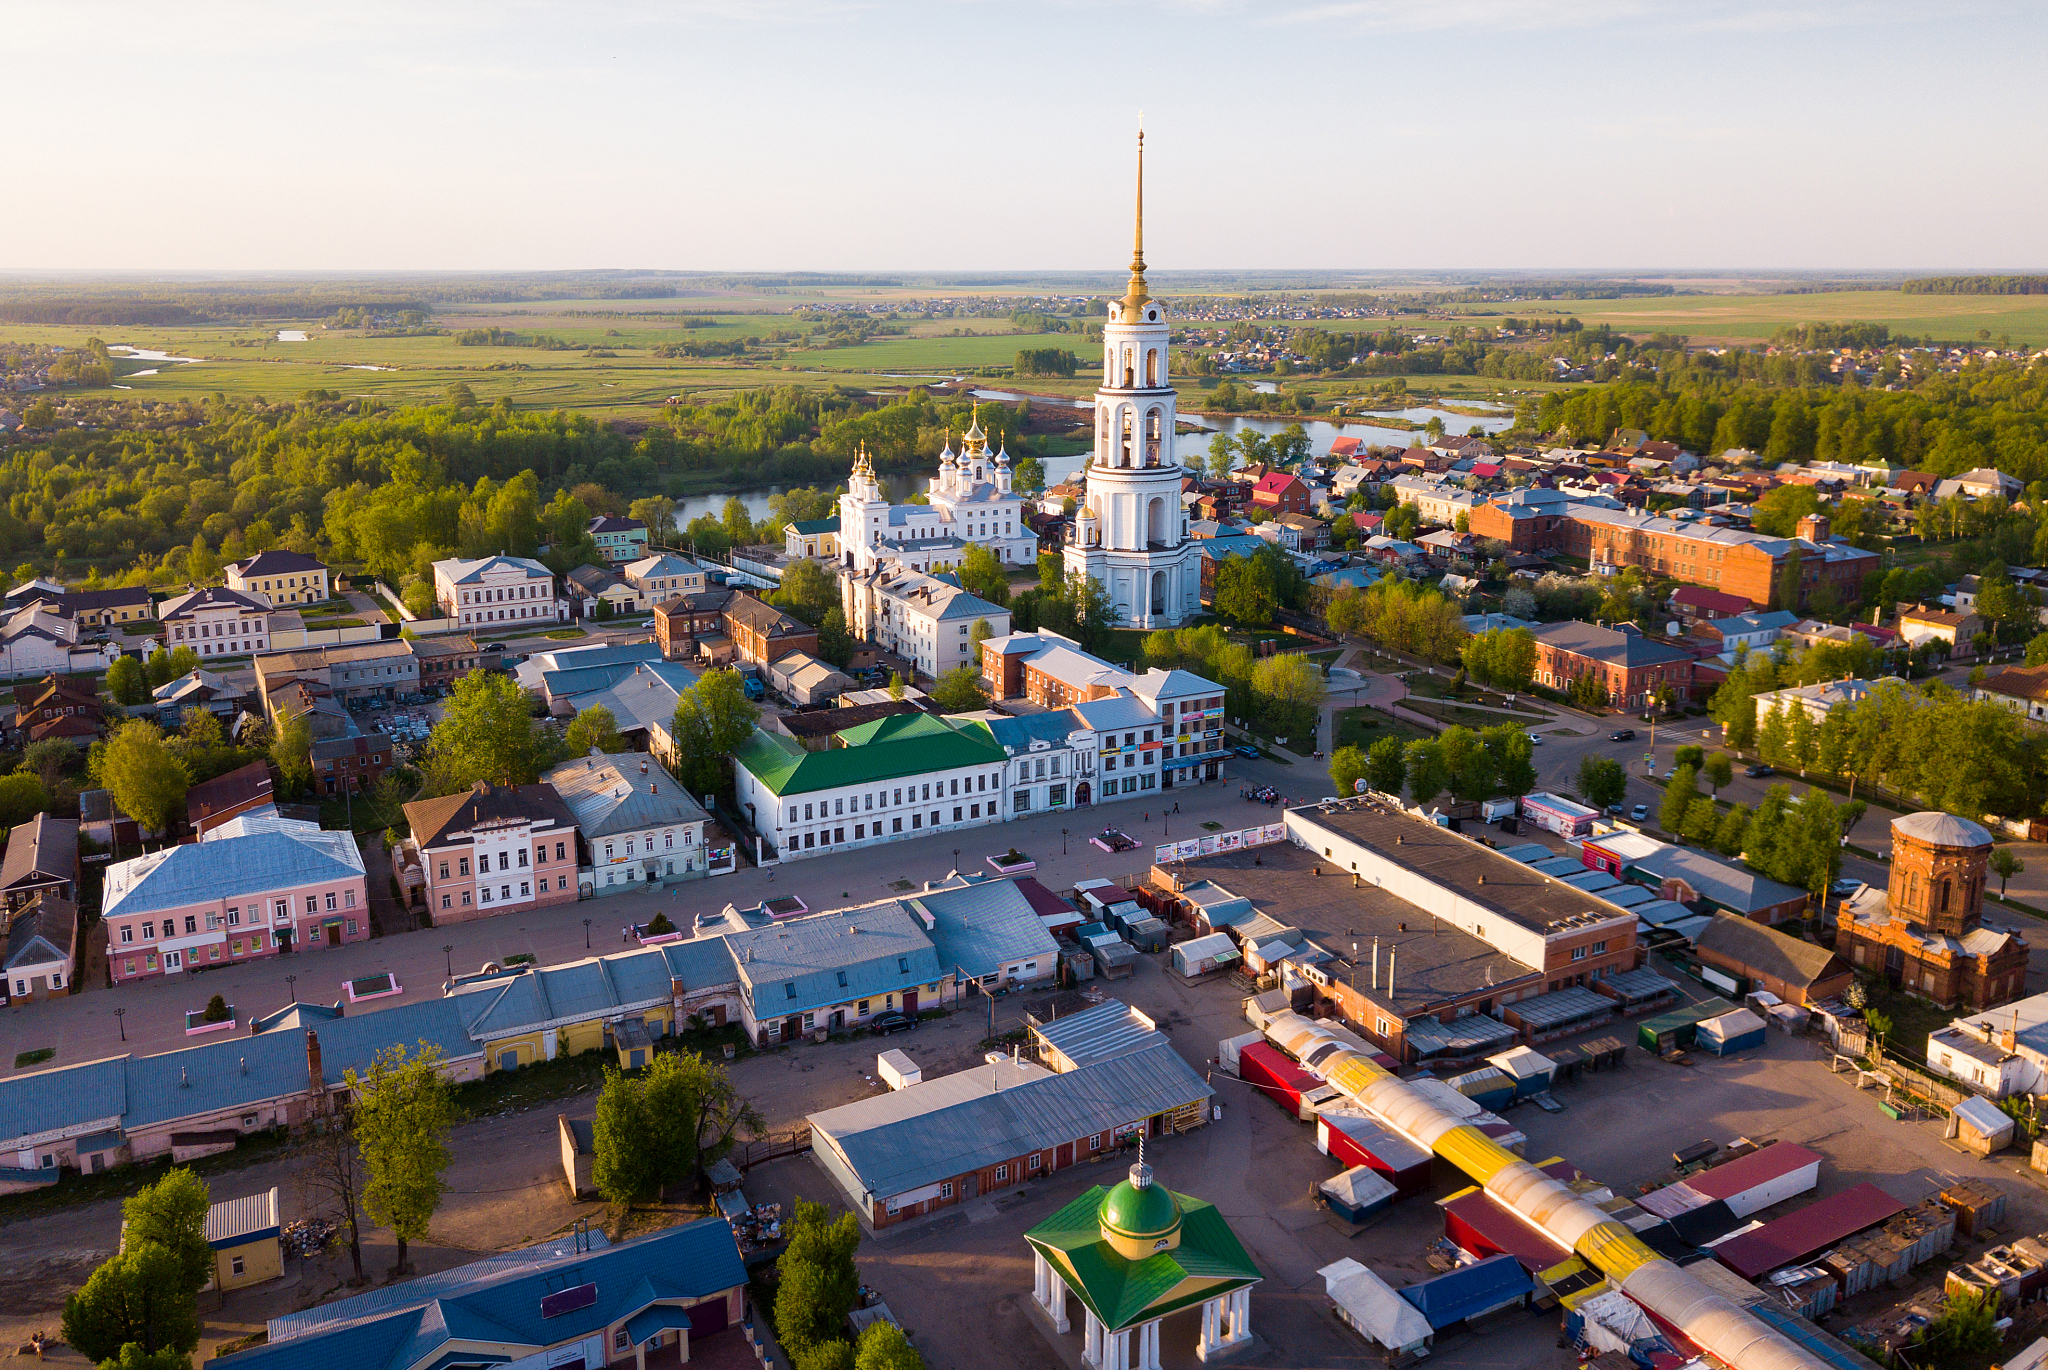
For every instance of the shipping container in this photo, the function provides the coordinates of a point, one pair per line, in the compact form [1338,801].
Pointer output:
[1357,1194]
[1489,1087]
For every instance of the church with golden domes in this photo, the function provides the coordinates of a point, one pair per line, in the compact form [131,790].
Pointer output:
[1134,1255]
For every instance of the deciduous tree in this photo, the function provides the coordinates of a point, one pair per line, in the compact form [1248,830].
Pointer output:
[1387,766]
[292,752]
[983,573]
[136,1296]
[593,728]
[486,732]
[403,1110]
[145,779]
[1348,766]
[1428,773]
[128,685]
[172,1214]
[960,690]
[330,1179]
[1679,792]
[1603,782]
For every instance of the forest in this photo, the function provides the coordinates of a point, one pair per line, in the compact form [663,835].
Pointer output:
[146,487]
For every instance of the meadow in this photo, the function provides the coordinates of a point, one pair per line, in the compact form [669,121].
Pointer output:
[1754,318]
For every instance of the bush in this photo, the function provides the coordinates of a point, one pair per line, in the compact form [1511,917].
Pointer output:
[216,1010]
[660,925]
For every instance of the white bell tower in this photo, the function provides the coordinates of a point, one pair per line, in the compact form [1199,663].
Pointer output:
[1131,531]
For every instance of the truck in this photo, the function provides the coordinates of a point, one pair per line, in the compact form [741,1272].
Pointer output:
[751,683]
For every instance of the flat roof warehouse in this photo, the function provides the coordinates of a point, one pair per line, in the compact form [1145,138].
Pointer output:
[1472,872]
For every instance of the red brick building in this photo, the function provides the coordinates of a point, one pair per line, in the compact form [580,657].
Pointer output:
[1733,560]
[1632,665]
[1926,933]
[1282,492]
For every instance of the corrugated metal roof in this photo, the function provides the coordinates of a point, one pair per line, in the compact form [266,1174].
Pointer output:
[810,963]
[899,1141]
[502,1308]
[237,1220]
[1111,1028]
[983,926]
[278,854]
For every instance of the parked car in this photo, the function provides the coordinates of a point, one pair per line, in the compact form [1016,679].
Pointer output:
[1535,739]
[882,1024]
[1754,772]
[494,647]
[1622,735]
[1245,751]
[1845,887]
[1639,812]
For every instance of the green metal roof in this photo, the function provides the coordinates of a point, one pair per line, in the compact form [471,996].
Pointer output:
[1135,1212]
[919,745]
[1124,1293]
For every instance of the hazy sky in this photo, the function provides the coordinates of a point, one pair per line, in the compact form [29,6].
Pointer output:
[803,134]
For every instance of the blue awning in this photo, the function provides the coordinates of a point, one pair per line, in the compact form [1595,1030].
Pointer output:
[651,1322]
[1182,762]
[99,1141]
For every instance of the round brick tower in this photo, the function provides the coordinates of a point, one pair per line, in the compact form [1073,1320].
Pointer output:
[1938,863]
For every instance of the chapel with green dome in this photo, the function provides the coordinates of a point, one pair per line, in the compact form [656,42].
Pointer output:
[1133,1254]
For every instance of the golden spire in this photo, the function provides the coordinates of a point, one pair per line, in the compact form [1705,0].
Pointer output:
[861,466]
[974,440]
[1137,293]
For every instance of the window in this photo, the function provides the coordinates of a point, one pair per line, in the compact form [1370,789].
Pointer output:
[945,1189]
[444,901]
[1002,1173]
[462,866]
[1599,947]
[558,851]
[504,861]
[330,901]
[312,903]
[1095,1142]
[127,932]
[1578,953]
[1031,1161]
[522,857]
[620,1341]
[956,813]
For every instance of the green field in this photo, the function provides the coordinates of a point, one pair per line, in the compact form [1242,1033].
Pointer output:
[249,361]
[1753,318]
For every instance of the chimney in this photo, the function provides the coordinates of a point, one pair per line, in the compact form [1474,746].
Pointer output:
[316,1080]
[2012,1034]
[1390,970]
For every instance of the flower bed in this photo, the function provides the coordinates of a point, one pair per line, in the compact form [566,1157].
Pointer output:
[197,1026]
[1012,862]
[382,985]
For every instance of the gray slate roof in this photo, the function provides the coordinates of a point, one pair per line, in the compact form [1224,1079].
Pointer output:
[1609,644]
[957,1123]
[611,794]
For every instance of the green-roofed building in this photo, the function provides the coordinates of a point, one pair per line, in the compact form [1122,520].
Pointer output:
[896,777]
[1133,1255]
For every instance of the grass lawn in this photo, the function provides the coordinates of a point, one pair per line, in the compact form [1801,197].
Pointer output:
[1363,727]
[1912,1019]
[1470,718]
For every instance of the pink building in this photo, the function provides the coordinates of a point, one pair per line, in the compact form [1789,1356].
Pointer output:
[251,887]
[495,849]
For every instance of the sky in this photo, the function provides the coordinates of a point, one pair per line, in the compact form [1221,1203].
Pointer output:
[749,135]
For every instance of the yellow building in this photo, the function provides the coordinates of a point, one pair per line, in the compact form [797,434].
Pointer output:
[244,1236]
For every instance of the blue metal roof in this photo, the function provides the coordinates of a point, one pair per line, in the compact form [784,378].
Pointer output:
[502,1311]
[811,963]
[984,925]
[650,1323]
[43,1102]
[1469,1290]
[282,857]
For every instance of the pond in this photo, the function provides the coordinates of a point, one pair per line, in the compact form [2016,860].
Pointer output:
[291,335]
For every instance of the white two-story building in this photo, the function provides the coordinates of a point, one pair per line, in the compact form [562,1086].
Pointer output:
[490,591]
[217,621]
[639,826]
[901,776]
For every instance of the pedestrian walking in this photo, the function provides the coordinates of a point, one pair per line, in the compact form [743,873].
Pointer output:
[626,933]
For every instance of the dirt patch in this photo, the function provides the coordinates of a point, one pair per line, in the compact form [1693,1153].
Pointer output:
[43,1286]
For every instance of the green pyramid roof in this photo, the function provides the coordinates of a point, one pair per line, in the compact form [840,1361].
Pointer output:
[1123,1293]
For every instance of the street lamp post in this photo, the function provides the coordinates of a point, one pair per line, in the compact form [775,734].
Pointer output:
[448,951]
[586,934]
[1063,841]
[119,1014]
[292,983]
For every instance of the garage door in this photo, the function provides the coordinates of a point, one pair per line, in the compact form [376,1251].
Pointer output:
[707,1317]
